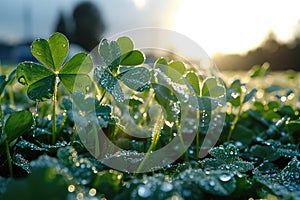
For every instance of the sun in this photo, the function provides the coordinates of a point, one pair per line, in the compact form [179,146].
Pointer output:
[231,26]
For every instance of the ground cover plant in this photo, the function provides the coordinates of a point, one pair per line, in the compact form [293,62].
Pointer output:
[51,110]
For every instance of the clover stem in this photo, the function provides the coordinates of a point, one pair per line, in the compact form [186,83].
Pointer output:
[9,161]
[73,135]
[155,137]
[102,97]
[197,135]
[186,158]
[54,131]
[2,119]
[140,119]
[235,120]
[98,94]
[60,128]
[11,96]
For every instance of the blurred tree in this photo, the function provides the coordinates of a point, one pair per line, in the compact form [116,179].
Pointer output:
[62,26]
[281,56]
[88,25]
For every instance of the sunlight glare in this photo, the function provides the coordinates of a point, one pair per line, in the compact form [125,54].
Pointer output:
[139,3]
[233,26]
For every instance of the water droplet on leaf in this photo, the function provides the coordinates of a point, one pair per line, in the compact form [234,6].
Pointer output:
[211,183]
[298,165]
[166,187]
[225,177]
[144,191]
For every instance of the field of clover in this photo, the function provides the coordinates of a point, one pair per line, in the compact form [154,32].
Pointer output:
[51,110]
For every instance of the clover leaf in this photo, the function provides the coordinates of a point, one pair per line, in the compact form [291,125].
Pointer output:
[213,182]
[114,55]
[17,124]
[89,109]
[52,54]
[211,88]
[285,184]
[272,150]
[129,56]
[209,96]
[5,80]
[192,81]
[226,158]
[174,70]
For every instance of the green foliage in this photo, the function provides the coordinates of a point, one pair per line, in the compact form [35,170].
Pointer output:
[215,182]
[117,54]
[129,56]
[88,107]
[52,53]
[173,69]
[42,147]
[43,80]
[211,88]
[17,124]
[190,184]
[273,150]
[4,80]
[53,178]
[226,158]
[192,81]
[260,70]
[257,155]
[285,184]
[164,96]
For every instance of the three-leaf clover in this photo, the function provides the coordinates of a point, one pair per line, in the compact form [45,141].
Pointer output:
[52,53]
[226,158]
[115,54]
[209,95]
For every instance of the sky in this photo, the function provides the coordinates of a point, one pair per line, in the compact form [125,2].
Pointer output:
[229,26]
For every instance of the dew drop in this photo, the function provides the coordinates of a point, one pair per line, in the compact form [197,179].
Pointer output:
[211,183]
[259,139]
[239,175]
[235,95]
[92,192]
[186,193]
[297,175]
[191,151]
[71,188]
[283,99]
[238,144]
[169,124]
[225,177]
[298,165]
[286,183]
[85,181]
[144,191]
[82,165]
[166,187]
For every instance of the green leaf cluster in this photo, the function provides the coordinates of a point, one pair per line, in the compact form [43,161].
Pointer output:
[121,63]
[52,53]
